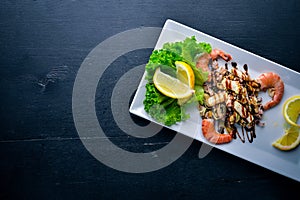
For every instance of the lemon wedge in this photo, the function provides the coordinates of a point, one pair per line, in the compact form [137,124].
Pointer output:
[170,86]
[185,73]
[291,110]
[289,140]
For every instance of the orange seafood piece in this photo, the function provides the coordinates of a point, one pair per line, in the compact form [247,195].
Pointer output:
[215,53]
[204,59]
[209,132]
[274,84]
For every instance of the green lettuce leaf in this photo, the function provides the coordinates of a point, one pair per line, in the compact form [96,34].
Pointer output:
[188,51]
[164,109]
[165,60]
[188,48]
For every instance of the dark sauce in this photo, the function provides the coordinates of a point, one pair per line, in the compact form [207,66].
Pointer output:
[234,134]
[244,111]
[249,132]
[221,130]
[245,68]
[228,84]
[234,64]
[241,138]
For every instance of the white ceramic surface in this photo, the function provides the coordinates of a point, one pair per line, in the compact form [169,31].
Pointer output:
[260,152]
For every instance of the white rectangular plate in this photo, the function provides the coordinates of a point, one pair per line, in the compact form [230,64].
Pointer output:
[260,152]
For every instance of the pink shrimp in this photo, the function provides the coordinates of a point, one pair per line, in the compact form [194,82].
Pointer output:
[272,82]
[204,58]
[215,53]
[209,132]
[203,61]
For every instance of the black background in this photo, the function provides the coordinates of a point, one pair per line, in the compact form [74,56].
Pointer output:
[41,155]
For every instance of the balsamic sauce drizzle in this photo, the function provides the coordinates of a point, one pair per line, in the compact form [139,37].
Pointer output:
[234,64]
[247,131]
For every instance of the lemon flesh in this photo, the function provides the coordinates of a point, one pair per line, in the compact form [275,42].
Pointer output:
[291,110]
[185,73]
[170,86]
[289,140]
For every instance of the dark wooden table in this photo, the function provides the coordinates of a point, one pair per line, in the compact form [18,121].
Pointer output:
[43,44]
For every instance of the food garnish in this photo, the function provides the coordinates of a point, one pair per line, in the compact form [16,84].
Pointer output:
[170,86]
[291,110]
[289,140]
[176,63]
[163,109]
[184,73]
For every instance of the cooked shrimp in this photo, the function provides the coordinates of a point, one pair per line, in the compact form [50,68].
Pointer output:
[209,132]
[215,53]
[204,59]
[202,63]
[274,84]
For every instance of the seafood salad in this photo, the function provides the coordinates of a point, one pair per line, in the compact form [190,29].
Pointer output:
[228,97]
[224,97]
[231,98]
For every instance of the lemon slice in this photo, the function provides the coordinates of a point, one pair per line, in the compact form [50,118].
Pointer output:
[291,110]
[170,86]
[185,73]
[289,140]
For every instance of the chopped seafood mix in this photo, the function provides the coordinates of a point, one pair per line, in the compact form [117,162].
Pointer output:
[231,97]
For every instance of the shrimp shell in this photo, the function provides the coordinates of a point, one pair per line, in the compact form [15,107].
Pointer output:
[215,53]
[273,82]
[209,132]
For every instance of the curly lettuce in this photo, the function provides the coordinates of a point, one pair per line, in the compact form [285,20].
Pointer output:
[164,109]
[165,60]
[188,49]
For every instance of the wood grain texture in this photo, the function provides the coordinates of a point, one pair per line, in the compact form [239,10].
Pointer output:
[41,155]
